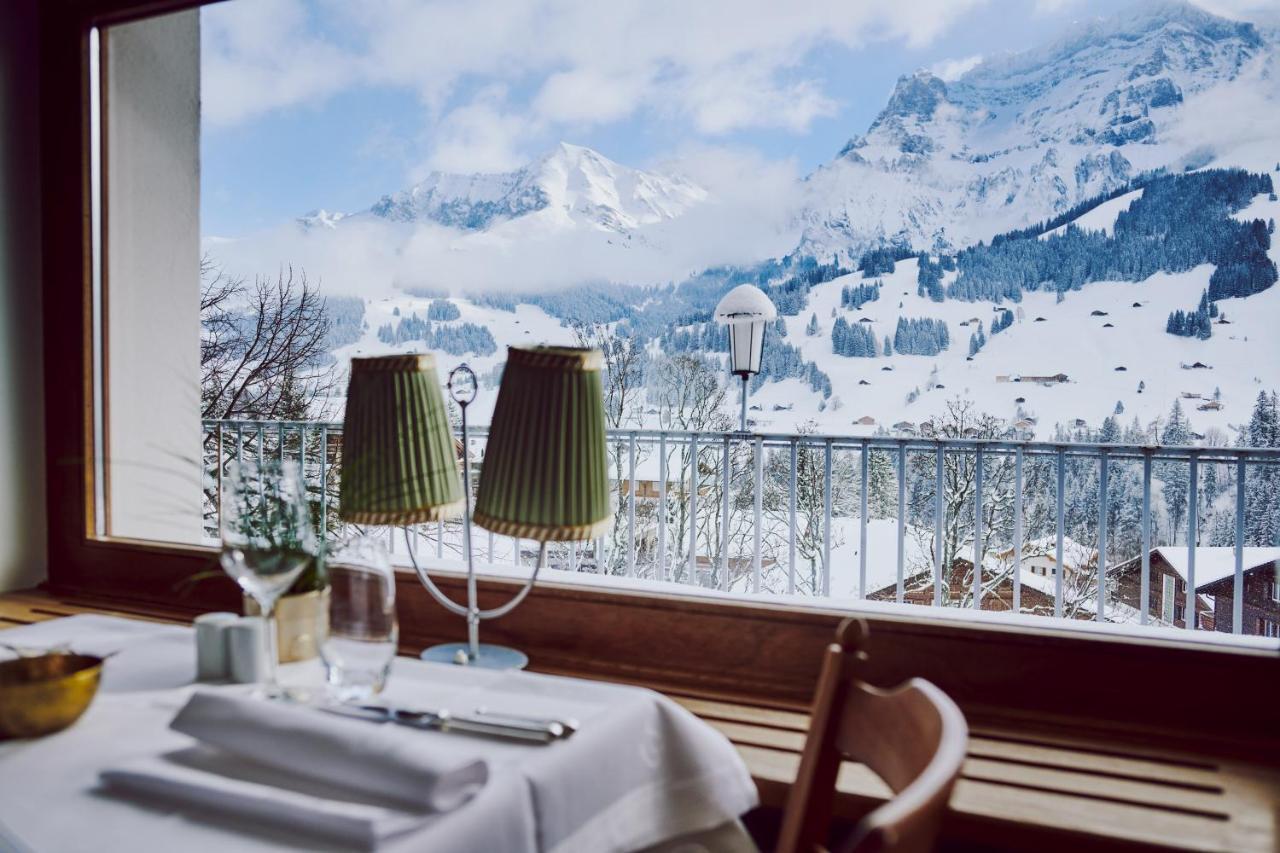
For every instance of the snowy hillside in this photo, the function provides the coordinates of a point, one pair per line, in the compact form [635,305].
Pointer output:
[1073,338]
[1018,139]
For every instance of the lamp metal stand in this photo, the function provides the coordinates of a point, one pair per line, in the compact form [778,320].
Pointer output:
[462,388]
[745,380]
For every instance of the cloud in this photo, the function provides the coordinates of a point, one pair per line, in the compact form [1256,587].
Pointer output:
[954,69]
[586,96]
[265,55]
[1257,11]
[482,136]
[1052,7]
[723,65]
[747,217]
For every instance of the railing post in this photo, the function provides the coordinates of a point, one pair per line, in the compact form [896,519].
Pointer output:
[1058,569]
[939,516]
[725,481]
[631,505]
[902,521]
[1190,617]
[662,507]
[1103,470]
[693,509]
[791,510]
[218,460]
[1144,594]
[862,522]
[826,520]
[324,481]
[1237,591]
[978,550]
[1017,530]
[757,562]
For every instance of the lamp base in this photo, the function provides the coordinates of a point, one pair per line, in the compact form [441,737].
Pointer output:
[490,656]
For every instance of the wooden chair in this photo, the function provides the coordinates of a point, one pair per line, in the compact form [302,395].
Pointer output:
[913,737]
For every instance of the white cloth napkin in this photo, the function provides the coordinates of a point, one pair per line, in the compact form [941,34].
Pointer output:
[216,783]
[397,765]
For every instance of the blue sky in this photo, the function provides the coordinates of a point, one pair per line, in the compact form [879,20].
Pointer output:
[323,104]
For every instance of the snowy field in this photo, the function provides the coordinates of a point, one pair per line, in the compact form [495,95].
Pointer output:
[1089,348]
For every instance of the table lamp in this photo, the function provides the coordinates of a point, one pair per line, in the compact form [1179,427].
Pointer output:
[544,475]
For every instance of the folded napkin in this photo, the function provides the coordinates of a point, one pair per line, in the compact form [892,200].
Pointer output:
[413,769]
[206,780]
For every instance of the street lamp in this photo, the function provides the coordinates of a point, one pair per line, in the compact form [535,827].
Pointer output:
[746,310]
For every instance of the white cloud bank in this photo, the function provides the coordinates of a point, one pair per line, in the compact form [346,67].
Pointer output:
[721,65]
[748,217]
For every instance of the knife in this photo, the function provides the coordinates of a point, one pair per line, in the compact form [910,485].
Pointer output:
[443,721]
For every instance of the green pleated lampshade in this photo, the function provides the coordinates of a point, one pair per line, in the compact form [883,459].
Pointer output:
[544,475]
[399,462]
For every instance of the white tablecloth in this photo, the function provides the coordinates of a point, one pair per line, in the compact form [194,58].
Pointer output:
[641,771]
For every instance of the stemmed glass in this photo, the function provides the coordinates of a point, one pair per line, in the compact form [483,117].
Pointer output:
[267,540]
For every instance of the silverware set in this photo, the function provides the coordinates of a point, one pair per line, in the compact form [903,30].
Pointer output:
[481,722]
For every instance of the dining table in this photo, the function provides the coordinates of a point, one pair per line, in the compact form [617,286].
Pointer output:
[635,771]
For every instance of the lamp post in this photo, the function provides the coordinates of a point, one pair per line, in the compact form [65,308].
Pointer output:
[746,310]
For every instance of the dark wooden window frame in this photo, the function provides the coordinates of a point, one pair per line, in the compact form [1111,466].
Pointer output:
[1059,677]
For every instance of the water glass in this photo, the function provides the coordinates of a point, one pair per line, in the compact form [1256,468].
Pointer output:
[363,632]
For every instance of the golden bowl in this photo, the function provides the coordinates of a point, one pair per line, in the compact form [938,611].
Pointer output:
[46,693]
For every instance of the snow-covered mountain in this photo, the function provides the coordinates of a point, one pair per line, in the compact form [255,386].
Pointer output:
[1018,139]
[570,187]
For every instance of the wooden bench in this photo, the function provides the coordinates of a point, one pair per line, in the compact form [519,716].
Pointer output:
[1020,789]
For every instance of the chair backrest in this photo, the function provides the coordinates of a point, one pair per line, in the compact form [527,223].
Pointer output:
[913,737]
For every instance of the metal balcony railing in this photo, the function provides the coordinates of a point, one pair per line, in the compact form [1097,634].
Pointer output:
[990,524]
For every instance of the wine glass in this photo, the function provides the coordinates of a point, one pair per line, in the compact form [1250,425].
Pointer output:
[361,643]
[267,540]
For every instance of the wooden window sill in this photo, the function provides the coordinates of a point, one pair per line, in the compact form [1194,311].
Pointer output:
[1021,788]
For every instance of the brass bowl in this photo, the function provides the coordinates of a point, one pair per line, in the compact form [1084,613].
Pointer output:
[46,693]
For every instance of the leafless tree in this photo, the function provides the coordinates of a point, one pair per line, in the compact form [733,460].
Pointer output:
[262,347]
[811,496]
[263,356]
[689,394]
[623,378]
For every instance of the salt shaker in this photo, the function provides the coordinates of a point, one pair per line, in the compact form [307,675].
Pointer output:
[246,655]
[211,645]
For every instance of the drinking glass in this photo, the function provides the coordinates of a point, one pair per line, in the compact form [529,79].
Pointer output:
[363,632]
[267,540]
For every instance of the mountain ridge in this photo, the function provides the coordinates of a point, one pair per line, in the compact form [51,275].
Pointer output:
[570,185]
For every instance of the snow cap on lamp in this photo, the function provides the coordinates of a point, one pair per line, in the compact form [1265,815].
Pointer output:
[745,310]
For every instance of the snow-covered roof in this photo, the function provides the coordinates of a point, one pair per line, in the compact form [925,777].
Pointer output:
[1075,554]
[745,302]
[1214,564]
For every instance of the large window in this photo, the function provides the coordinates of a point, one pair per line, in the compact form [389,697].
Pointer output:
[286,185]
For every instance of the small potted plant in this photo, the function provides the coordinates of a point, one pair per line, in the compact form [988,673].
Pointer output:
[302,614]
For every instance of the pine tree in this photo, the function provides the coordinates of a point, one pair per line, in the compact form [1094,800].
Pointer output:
[812,329]
[1175,475]
[888,347]
[1119,409]
[1262,504]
